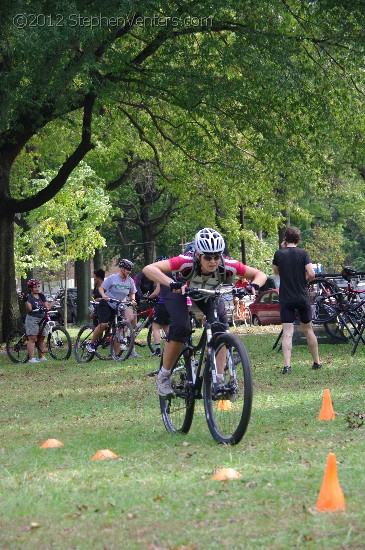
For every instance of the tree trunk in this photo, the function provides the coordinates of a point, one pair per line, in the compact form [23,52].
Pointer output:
[98,261]
[9,307]
[281,231]
[243,244]
[82,276]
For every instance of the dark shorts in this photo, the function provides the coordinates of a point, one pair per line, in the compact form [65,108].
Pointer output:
[303,308]
[105,312]
[180,327]
[161,316]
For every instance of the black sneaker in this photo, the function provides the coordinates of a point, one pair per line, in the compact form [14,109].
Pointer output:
[316,366]
[156,353]
[286,370]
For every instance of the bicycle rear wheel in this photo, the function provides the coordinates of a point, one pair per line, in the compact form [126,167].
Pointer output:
[82,340]
[59,343]
[228,412]
[178,411]
[16,346]
[325,298]
[122,341]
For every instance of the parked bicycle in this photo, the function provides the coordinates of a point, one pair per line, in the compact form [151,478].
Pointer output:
[143,333]
[194,376]
[58,341]
[116,341]
[341,312]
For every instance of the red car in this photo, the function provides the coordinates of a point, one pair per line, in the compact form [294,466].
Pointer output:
[265,310]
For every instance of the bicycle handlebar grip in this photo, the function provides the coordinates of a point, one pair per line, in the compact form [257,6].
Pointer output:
[176,285]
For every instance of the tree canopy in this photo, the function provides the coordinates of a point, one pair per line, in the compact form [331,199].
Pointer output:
[258,96]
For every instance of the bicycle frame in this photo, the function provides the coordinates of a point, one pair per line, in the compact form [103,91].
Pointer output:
[206,342]
[146,323]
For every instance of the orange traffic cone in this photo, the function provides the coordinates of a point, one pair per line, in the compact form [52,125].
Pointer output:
[226,474]
[104,454]
[51,444]
[326,412]
[330,496]
[224,405]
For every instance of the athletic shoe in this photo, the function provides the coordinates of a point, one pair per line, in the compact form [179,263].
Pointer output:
[134,353]
[123,347]
[34,360]
[316,366]
[156,353]
[286,370]
[43,359]
[90,348]
[164,387]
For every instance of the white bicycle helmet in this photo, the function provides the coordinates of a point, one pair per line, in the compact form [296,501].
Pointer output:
[209,241]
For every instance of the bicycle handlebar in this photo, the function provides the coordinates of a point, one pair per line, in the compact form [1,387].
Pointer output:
[219,291]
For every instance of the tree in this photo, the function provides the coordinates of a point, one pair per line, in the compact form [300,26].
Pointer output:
[247,79]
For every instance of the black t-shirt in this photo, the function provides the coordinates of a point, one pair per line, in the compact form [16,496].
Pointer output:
[291,263]
[36,304]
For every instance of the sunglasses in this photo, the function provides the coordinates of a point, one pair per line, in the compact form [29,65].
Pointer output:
[210,257]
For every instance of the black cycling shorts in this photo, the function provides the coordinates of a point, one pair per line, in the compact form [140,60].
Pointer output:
[161,315]
[288,312]
[105,312]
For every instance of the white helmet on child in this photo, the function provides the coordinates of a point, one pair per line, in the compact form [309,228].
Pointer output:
[209,241]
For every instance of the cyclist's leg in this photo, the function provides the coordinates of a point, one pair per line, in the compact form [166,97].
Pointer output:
[305,316]
[32,330]
[31,345]
[104,314]
[178,334]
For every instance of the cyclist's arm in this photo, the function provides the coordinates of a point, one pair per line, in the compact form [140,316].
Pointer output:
[255,276]
[155,293]
[28,307]
[102,293]
[158,272]
[309,272]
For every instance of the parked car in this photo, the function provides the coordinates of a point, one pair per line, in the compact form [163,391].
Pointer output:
[265,310]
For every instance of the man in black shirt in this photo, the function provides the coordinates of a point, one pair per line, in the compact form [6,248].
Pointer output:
[295,269]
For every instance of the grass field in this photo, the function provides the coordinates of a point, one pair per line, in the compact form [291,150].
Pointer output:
[158,493]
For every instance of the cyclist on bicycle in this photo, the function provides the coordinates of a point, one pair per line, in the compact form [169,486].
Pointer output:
[204,267]
[117,286]
[35,300]
[161,317]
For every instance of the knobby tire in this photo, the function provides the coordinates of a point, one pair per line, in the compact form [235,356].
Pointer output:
[228,414]
[178,411]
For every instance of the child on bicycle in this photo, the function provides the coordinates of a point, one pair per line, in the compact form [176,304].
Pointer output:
[35,300]
[204,267]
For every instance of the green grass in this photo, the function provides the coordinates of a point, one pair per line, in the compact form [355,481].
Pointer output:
[159,494]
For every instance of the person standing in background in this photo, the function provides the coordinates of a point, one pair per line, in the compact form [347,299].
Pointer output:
[295,269]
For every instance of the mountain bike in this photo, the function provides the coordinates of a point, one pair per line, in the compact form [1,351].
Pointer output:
[116,342]
[144,342]
[340,311]
[194,376]
[58,340]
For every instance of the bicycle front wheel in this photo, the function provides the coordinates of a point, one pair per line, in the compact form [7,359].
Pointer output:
[16,346]
[228,411]
[178,411]
[82,340]
[122,341]
[59,343]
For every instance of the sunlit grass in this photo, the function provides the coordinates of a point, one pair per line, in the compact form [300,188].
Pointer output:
[158,493]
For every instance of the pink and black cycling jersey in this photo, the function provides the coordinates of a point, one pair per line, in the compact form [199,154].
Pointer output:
[184,264]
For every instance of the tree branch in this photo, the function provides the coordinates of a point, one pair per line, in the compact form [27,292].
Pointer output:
[25,205]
